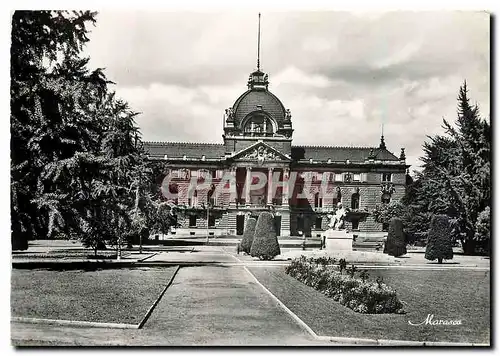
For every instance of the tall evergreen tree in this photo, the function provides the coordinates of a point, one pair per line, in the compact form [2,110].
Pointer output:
[456,179]
[77,169]
[51,91]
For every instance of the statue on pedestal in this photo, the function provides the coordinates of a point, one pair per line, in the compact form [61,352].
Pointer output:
[337,220]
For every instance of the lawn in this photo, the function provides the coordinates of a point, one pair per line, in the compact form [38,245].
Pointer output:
[448,294]
[110,295]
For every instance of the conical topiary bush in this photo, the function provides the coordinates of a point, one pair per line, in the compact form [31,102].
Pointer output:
[395,244]
[265,244]
[439,243]
[246,241]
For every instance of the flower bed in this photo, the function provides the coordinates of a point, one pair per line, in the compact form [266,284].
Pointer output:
[342,284]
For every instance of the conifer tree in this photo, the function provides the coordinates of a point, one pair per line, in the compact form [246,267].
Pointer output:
[456,179]
[248,234]
[439,244]
[395,244]
[265,244]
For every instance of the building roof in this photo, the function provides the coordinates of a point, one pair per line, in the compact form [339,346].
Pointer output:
[180,149]
[340,154]
[317,153]
[248,101]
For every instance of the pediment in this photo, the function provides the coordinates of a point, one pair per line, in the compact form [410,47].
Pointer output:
[260,152]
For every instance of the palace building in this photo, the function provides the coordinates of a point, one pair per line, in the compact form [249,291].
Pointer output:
[258,144]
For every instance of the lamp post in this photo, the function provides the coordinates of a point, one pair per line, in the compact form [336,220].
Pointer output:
[208,220]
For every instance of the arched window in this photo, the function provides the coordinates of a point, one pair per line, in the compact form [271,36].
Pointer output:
[259,125]
[355,201]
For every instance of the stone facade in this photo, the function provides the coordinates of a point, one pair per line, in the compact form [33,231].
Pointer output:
[258,168]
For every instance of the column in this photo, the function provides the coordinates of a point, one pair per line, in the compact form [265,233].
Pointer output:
[248,182]
[270,186]
[285,215]
[234,194]
[286,174]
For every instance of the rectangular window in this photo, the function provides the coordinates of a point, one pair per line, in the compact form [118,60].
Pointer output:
[386,177]
[356,177]
[174,173]
[214,174]
[318,222]
[338,177]
[385,227]
[355,224]
[192,221]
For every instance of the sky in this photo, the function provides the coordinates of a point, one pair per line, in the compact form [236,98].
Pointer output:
[341,74]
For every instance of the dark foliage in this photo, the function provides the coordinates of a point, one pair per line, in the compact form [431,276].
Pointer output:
[248,233]
[265,244]
[395,244]
[440,243]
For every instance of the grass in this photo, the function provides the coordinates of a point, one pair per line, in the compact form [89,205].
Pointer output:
[448,294]
[110,295]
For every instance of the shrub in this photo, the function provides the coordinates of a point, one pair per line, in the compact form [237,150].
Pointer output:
[359,294]
[265,244]
[246,241]
[483,226]
[395,245]
[439,244]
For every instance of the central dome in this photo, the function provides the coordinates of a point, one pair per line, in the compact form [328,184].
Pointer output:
[258,100]
[258,112]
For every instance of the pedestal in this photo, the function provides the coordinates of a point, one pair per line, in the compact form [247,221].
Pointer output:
[338,240]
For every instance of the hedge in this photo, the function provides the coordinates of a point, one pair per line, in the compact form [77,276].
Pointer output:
[265,244]
[246,241]
[358,294]
[440,243]
[395,244]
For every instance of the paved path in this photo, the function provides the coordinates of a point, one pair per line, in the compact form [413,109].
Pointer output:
[222,306]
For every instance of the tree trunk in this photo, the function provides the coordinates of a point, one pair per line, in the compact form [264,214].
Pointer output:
[440,260]
[119,255]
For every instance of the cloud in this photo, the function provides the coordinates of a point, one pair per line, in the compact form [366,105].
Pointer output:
[341,74]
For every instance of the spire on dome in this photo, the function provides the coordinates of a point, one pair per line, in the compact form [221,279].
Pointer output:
[258,79]
[382,142]
[258,47]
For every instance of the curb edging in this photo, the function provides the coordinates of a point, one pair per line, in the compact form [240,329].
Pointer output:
[152,307]
[62,322]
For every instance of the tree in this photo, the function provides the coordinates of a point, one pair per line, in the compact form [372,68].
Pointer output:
[77,169]
[440,244]
[384,213]
[248,234]
[456,179]
[483,227]
[53,102]
[396,244]
[265,243]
